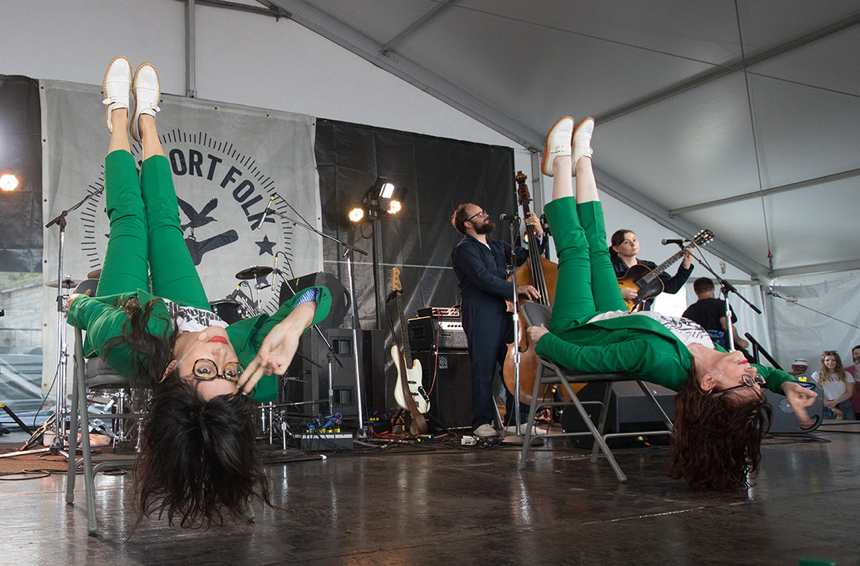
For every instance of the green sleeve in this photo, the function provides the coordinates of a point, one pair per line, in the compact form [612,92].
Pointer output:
[775,377]
[102,322]
[626,357]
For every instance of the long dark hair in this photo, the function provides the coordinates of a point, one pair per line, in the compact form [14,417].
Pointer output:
[716,443]
[152,351]
[198,463]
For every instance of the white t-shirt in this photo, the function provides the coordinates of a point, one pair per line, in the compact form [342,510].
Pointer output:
[193,319]
[835,387]
[684,329]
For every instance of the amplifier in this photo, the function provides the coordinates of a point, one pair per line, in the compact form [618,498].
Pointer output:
[427,333]
[440,312]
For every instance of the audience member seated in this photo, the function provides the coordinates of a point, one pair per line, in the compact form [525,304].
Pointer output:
[800,368]
[838,387]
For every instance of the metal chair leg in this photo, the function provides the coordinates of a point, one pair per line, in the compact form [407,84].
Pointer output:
[530,422]
[598,438]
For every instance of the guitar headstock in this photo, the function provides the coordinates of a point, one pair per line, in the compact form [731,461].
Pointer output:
[396,287]
[703,238]
[523,196]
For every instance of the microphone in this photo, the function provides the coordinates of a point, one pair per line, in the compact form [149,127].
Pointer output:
[265,212]
[504,217]
[680,241]
[275,264]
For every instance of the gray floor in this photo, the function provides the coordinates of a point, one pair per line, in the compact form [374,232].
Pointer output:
[451,505]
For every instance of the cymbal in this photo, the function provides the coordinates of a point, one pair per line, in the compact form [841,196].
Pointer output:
[254,272]
[67,283]
[94,274]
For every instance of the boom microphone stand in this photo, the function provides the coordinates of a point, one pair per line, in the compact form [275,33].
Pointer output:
[727,288]
[61,408]
[348,254]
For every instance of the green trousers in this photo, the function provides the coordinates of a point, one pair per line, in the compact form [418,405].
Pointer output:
[146,249]
[586,284]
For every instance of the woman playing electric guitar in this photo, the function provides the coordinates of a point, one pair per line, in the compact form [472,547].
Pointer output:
[623,249]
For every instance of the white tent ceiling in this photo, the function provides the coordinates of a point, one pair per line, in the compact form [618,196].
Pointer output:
[741,116]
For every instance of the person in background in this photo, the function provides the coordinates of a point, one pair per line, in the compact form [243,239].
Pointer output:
[800,368]
[480,264]
[710,313]
[623,250]
[838,387]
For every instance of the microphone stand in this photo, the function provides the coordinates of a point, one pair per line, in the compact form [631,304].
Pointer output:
[725,289]
[348,254]
[60,410]
[514,231]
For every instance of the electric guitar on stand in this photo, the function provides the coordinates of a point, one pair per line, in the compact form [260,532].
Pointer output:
[408,390]
[647,281]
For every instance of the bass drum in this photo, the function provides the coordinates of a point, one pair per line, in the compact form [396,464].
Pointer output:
[229,310]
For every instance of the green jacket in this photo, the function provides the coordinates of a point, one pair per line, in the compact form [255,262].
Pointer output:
[638,345]
[103,321]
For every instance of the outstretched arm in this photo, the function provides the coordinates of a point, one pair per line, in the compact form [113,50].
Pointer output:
[279,347]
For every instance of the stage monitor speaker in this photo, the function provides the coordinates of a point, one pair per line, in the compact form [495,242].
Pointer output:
[451,395]
[629,411]
[306,383]
[339,295]
[784,421]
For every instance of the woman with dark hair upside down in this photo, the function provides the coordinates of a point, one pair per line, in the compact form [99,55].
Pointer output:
[151,321]
[720,411]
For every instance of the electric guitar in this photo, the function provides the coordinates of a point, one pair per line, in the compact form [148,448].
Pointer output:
[647,281]
[408,390]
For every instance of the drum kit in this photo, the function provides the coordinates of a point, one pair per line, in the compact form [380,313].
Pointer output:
[238,305]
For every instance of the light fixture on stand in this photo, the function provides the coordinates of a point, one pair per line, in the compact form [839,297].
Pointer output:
[383,199]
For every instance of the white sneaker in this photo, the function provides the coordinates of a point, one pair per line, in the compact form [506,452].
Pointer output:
[147,93]
[115,86]
[558,142]
[582,140]
[535,430]
[486,431]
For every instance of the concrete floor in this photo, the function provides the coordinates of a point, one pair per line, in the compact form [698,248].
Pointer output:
[447,505]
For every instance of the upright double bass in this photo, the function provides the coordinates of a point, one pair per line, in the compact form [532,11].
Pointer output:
[542,273]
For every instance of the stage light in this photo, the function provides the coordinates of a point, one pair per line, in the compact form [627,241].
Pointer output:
[386,190]
[8,182]
[394,207]
[356,214]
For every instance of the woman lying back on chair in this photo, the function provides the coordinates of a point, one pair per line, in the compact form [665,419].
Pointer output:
[720,411]
[151,321]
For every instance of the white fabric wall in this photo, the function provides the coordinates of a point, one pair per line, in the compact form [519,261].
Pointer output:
[817,313]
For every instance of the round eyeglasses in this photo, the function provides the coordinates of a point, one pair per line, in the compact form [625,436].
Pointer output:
[747,381]
[205,369]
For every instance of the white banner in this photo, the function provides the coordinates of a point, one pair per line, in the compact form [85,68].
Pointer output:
[227,160]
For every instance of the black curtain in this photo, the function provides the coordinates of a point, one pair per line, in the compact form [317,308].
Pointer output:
[439,174]
[21,154]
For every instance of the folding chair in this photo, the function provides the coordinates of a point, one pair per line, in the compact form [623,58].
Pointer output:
[91,374]
[550,373]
